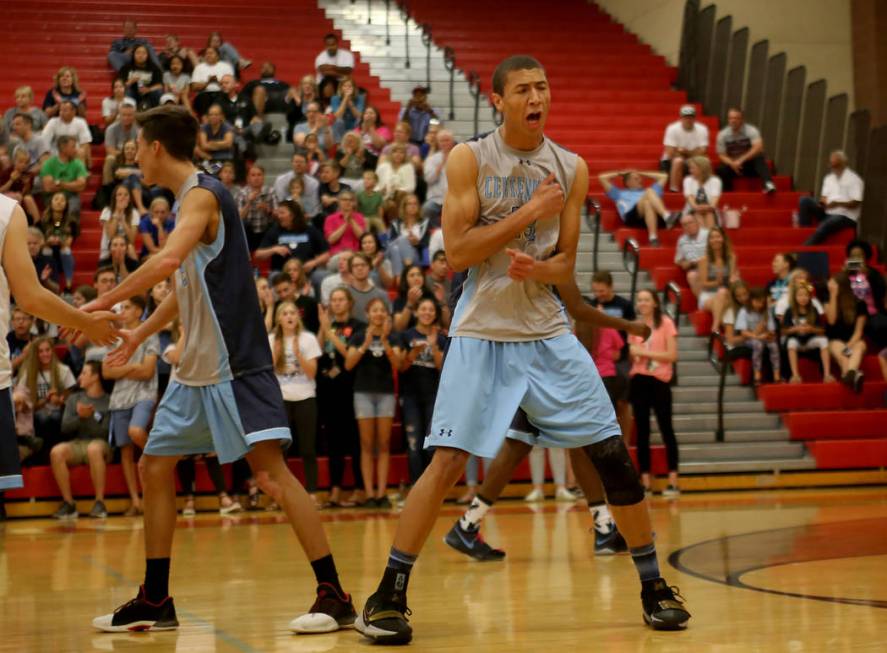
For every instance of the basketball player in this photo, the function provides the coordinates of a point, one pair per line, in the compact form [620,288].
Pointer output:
[225,397]
[511,216]
[18,276]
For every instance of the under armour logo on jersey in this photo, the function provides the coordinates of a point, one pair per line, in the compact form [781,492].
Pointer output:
[524,162]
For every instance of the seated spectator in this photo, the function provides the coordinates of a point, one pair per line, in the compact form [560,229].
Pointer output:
[85,429]
[111,104]
[65,87]
[717,270]
[67,123]
[249,125]
[401,136]
[29,445]
[19,338]
[703,191]
[869,287]
[206,80]
[333,63]
[408,237]
[177,83]
[65,173]
[119,218]
[47,269]
[429,146]
[418,114]
[782,266]
[352,160]
[122,130]
[293,236]
[839,201]
[17,182]
[382,274]
[286,290]
[155,226]
[341,279]
[436,244]
[798,277]
[256,203]
[259,125]
[313,152]
[361,285]
[227,52]
[24,103]
[58,228]
[119,259]
[435,173]
[36,146]
[143,79]
[370,203]
[347,107]
[266,301]
[275,89]
[315,123]
[48,383]
[122,48]
[437,278]
[374,135]
[396,177]
[125,171]
[215,140]
[228,177]
[344,228]
[741,151]
[296,271]
[310,198]
[845,327]
[174,48]
[331,188]
[804,331]
[757,329]
[639,206]
[690,248]
[297,100]
[684,138]
[411,291]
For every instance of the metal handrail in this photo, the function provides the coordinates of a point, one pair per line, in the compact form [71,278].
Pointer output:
[387,27]
[450,64]
[721,365]
[474,89]
[426,41]
[405,14]
[631,250]
[672,290]
[593,220]
[369,12]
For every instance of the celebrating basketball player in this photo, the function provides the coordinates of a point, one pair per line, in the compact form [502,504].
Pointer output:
[225,397]
[511,217]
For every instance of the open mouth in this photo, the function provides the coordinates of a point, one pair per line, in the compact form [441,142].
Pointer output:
[534,118]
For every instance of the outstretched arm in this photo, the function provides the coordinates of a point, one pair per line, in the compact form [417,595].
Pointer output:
[164,314]
[583,312]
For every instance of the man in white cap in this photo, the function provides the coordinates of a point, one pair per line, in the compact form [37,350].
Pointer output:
[683,138]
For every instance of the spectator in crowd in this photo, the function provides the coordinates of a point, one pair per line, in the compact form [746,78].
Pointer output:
[257,205]
[438,280]
[295,352]
[315,123]
[351,159]
[292,236]
[228,177]
[143,78]
[846,316]
[651,372]
[347,107]
[266,301]
[155,226]
[422,359]
[36,146]
[381,275]
[122,130]
[133,397]
[125,171]
[741,152]
[275,89]
[605,346]
[177,82]
[802,325]
[48,382]
[297,100]
[703,191]
[122,49]
[557,459]
[333,63]
[684,139]
[374,135]
[717,270]
[757,329]
[119,218]
[310,198]
[296,271]
[435,173]
[186,470]
[690,249]
[370,203]
[331,188]
[67,123]
[397,176]
[839,201]
[28,444]
[46,268]
[119,259]
[361,286]
[429,146]
[65,173]
[17,182]
[111,104]
[58,228]
[240,113]
[408,236]
[782,266]
[418,114]
[215,140]
[374,354]
[85,428]
[401,136]
[288,290]
[315,155]
[344,228]
[65,87]
[739,299]
[19,337]
[206,79]
[341,279]
[227,52]
[335,395]
[868,286]
[174,48]
[639,206]
[798,277]
[168,335]
[24,103]
[411,290]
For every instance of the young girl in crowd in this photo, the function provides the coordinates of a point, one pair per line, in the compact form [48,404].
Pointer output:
[703,191]
[295,352]
[756,328]
[846,318]
[47,383]
[120,217]
[119,259]
[651,373]
[58,231]
[370,206]
[374,355]
[411,291]
[382,274]
[802,326]
[738,299]
[266,301]
[17,183]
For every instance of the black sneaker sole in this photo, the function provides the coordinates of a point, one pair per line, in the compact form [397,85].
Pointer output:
[658,624]
[455,542]
[139,627]
[380,636]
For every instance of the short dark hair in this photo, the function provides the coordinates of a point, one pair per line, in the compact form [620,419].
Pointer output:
[173,126]
[64,140]
[87,292]
[790,260]
[861,244]
[27,117]
[102,270]
[602,276]
[757,293]
[439,254]
[363,257]
[138,300]
[95,367]
[512,63]
[279,278]
[331,35]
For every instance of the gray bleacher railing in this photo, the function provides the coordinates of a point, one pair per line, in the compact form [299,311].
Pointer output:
[593,220]
[450,65]
[631,259]
[427,41]
[474,89]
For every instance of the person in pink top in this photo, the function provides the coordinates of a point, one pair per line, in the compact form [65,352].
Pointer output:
[344,228]
[607,350]
[651,372]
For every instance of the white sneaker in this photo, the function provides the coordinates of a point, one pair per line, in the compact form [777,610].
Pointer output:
[671,492]
[188,511]
[563,494]
[230,509]
[535,496]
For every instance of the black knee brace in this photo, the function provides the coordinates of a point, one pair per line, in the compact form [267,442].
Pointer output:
[618,474]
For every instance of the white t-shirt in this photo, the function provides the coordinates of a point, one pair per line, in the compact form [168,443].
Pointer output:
[44,380]
[109,106]
[343,59]
[677,136]
[782,305]
[294,383]
[203,71]
[78,128]
[846,188]
[712,188]
[104,217]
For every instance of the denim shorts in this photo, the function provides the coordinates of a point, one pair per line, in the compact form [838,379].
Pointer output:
[368,405]
[121,420]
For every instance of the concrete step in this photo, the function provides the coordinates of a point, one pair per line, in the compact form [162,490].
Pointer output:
[691,343]
[719,451]
[706,381]
[701,437]
[685,393]
[696,368]
[746,421]
[711,407]
[751,465]
[693,355]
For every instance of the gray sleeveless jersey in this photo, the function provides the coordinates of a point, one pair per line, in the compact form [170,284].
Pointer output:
[6,207]
[493,306]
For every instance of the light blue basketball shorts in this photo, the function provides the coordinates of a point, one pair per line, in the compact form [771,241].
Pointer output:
[484,383]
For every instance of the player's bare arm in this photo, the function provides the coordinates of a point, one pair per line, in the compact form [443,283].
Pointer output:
[162,316]
[581,311]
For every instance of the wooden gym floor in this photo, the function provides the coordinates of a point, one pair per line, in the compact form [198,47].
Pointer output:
[801,570]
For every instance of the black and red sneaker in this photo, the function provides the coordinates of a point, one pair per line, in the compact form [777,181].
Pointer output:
[139,615]
[470,542]
[331,611]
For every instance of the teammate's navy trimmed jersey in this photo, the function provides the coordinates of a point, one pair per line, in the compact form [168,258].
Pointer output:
[225,334]
[7,206]
[493,306]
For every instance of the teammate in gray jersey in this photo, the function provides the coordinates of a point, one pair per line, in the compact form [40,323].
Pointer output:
[511,218]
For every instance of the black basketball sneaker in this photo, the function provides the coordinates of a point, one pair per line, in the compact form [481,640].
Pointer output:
[331,611]
[139,615]
[384,619]
[469,542]
[609,542]
[663,606]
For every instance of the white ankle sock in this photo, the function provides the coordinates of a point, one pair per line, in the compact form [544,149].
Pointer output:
[475,513]
[603,521]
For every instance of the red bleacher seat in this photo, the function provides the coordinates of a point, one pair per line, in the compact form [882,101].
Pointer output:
[785,397]
[818,425]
